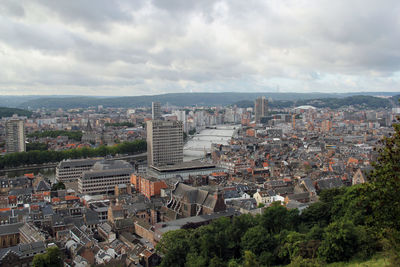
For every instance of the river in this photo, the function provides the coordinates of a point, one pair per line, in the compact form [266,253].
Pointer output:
[49,173]
[200,143]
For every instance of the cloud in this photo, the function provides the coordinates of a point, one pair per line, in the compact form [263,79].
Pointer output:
[147,47]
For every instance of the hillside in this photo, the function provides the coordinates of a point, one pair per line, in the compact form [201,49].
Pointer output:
[177,99]
[209,99]
[8,112]
[360,101]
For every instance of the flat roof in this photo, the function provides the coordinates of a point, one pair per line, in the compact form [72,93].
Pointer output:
[184,166]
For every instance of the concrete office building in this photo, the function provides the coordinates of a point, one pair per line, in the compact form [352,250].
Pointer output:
[164,142]
[15,135]
[155,110]
[104,176]
[71,170]
[260,108]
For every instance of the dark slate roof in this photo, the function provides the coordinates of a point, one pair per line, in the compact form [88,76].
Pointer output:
[91,217]
[329,183]
[299,196]
[309,185]
[231,194]
[23,249]
[42,186]
[20,191]
[191,194]
[10,228]
[47,210]
[57,220]
[74,163]
[109,167]
[247,204]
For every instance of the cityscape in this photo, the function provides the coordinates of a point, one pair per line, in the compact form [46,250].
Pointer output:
[184,167]
[199,133]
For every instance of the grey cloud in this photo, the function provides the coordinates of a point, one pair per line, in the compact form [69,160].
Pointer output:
[199,45]
[11,8]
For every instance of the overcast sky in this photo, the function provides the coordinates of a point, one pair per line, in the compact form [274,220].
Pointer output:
[134,47]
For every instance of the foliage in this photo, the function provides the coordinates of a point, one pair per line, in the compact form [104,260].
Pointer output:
[192,132]
[391,243]
[52,258]
[8,112]
[120,124]
[40,157]
[74,135]
[339,242]
[58,186]
[174,246]
[36,146]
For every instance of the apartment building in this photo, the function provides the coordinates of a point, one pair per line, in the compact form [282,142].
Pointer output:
[260,108]
[155,110]
[15,135]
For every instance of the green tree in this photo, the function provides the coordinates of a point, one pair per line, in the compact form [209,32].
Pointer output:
[36,146]
[385,180]
[250,260]
[52,258]
[58,186]
[277,218]
[195,260]
[257,240]
[217,262]
[340,242]
[174,246]
[39,260]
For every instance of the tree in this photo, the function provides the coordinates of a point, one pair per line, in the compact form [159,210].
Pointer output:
[52,258]
[250,260]
[216,262]
[192,132]
[174,247]
[385,180]
[58,186]
[39,260]
[277,218]
[195,260]
[257,240]
[340,242]
[291,245]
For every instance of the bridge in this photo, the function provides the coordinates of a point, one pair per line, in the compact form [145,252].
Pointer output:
[196,149]
[213,135]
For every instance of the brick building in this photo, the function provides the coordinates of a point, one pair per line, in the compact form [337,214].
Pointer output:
[148,186]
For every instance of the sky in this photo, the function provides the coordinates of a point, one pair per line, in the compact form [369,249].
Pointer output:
[135,47]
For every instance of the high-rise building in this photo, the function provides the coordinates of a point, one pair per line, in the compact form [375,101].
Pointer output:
[155,110]
[181,116]
[260,108]
[15,135]
[164,142]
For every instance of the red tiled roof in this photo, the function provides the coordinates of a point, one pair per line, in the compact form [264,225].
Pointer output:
[71,198]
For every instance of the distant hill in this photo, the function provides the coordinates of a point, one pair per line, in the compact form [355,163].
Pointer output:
[8,112]
[357,101]
[360,101]
[13,101]
[176,99]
